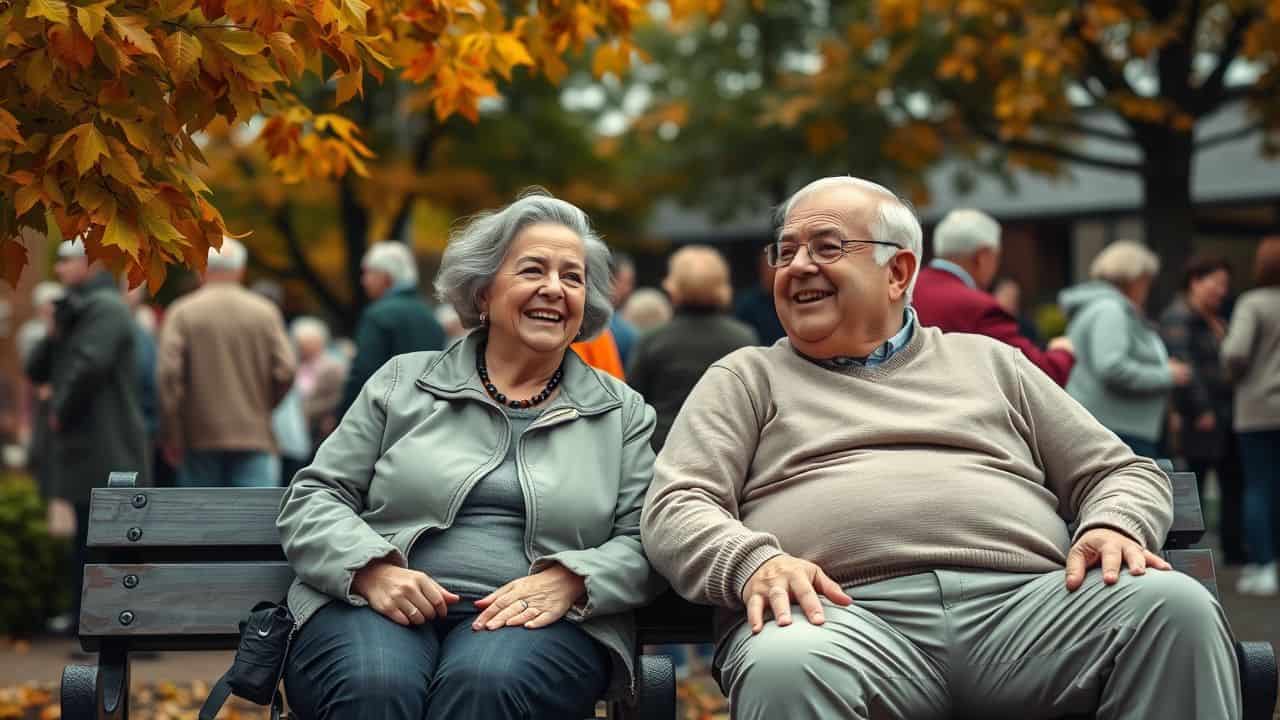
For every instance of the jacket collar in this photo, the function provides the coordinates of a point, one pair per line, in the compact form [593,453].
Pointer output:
[452,373]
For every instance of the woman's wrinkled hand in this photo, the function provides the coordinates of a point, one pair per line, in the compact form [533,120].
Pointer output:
[408,597]
[534,601]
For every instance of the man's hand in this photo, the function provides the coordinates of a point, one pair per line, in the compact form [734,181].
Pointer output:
[407,597]
[1206,422]
[1062,342]
[61,518]
[784,579]
[1109,548]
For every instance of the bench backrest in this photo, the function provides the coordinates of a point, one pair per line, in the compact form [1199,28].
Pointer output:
[179,568]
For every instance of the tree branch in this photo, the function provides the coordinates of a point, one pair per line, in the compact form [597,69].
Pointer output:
[1079,128]
[1231,135]
[1213,91]
[284,273]
[421,156]
[283,222]
[1058,152]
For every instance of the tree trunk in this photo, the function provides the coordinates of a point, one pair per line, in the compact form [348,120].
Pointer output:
[1167,213]
[355,234]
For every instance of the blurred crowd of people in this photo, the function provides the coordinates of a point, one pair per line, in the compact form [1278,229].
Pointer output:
[217,391]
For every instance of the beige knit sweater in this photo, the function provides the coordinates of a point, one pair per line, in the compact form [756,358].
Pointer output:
[955,452]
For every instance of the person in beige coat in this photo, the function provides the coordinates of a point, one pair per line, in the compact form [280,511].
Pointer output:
[467,541]
[224,363]
[883,513]
[1251,353]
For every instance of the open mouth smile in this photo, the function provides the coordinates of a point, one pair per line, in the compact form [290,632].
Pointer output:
[805,297]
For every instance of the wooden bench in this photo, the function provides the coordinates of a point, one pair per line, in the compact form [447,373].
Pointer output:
[177,569]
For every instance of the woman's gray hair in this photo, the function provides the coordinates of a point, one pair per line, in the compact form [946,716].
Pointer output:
[897,222]
[479,244]
[395,259]
[1124,261]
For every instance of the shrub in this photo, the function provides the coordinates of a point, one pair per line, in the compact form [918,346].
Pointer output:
[32,564]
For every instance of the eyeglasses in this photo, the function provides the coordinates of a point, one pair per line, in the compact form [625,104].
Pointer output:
[824,250]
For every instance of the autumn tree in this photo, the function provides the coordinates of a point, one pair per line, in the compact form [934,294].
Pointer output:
[1033,80]
[101,102]
[426,173]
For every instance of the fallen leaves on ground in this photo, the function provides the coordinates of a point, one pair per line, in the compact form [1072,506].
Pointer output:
[698,698]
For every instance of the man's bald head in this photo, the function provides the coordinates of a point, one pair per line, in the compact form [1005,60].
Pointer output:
[697,275]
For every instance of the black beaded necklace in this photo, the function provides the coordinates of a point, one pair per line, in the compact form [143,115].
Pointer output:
[501,399]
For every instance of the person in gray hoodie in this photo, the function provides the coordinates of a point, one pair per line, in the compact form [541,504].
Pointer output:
[1123,373]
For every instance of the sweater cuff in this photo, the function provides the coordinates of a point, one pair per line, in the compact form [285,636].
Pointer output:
[743,568]
[1121,523]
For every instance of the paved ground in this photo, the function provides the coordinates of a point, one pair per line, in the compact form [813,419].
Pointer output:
[41,662]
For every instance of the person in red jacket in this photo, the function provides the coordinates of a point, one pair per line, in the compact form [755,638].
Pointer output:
[951,292]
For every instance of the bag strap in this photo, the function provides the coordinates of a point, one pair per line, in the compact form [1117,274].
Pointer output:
[221,690]
[218,695]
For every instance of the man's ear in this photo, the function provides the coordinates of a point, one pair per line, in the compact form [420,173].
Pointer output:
[901,267]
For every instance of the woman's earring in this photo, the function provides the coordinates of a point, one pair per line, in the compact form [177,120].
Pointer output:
[484,318]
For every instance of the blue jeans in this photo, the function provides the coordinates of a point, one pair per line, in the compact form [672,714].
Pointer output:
[351,662]
[1141,447]
[1260,456]
[228,468]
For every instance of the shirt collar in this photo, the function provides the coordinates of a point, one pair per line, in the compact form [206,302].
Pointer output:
[882,353]
[954,269]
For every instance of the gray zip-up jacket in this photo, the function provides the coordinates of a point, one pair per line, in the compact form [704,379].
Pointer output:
[421,434]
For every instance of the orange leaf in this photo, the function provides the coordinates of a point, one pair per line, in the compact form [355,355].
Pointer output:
[55,11]
[9,127]
[89,147]
[349,84]
[133,30]
[13,257]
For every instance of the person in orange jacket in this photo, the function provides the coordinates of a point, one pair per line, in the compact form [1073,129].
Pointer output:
[601,353]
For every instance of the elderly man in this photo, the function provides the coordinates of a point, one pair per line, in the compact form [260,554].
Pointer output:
[881,511]
[669,361]
[398,321]
[952,292]
[224,362]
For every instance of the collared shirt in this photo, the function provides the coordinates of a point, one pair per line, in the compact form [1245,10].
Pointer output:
[954,269]
[882,353]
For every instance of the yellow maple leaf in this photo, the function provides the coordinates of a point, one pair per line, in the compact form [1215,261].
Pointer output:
[89,147]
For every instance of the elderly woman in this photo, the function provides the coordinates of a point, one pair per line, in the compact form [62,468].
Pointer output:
[467,540]
[1123,374]
[1251,353]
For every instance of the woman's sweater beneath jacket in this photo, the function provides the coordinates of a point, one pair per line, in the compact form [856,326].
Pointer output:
[955,452]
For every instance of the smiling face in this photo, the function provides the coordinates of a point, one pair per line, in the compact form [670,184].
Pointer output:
[850,306]
[536,300]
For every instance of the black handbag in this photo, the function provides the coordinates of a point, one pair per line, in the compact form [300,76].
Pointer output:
[259,663]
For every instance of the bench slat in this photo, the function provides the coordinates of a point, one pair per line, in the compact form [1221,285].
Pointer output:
[192,517]
[206,599]
[1188,520]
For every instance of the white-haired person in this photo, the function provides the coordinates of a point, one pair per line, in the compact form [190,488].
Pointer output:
[1123,374]
[399,320]
[881,512]
[224,362]
[953,292]
[647,309]
[467,542]
[320,377]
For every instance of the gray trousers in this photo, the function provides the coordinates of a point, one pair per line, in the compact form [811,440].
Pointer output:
[993,645]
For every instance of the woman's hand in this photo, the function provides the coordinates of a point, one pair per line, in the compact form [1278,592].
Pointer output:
[533,601]
[408,597]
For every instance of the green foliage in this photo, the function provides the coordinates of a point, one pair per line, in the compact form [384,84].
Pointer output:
[32,564]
